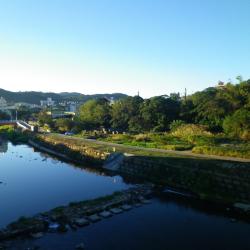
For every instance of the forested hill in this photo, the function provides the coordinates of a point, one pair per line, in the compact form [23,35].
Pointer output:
[35,97]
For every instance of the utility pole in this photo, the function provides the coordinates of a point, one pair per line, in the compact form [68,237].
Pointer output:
[185,95]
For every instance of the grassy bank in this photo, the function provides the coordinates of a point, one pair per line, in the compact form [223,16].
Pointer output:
[14,135]
[232,151]
[200,142]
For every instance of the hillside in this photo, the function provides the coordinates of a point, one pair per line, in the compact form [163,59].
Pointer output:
[34,97]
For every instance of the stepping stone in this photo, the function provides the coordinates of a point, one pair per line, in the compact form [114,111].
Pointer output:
[81,222]
[126,207]
[53,227]
[94,218]
[80,246]
[115,210]
[105,214]
[37,235]
[146,201]
[138,204]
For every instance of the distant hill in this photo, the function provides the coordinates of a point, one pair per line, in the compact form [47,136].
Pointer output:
[34,97]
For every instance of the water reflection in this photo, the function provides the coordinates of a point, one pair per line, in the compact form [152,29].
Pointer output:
[3,146]
[36,182]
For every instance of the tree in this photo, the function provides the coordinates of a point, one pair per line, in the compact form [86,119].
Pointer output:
[45,119]
[125,114]
[95,113]
[64,125]
[238,124]
[4,116]
[157,113]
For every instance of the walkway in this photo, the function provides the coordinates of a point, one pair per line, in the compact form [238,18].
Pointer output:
[157,150]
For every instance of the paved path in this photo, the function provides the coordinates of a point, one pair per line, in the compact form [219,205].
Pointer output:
[174,152]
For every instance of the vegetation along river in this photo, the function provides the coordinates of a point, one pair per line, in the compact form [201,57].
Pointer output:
[33,182]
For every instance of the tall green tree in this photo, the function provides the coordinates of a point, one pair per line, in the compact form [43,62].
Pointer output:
[95,113]
[158,112]
[126,114]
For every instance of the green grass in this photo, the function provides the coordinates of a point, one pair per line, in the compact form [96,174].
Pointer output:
[9,132]
[231,151]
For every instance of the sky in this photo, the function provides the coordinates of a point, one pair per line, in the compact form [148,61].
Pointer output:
[105,46]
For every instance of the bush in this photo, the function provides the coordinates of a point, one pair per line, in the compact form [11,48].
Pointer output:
[142,137]
[238,124]
[176,124]
[188,130]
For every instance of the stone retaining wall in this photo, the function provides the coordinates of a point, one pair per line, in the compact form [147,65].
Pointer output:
[79,154]
[211,179]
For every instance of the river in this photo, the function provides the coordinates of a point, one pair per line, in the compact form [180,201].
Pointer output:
[33,182]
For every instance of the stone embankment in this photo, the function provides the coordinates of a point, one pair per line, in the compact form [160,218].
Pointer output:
[210,179]
[216,180]
[78,214]
[69,151]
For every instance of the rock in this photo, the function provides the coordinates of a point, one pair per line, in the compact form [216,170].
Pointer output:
[126,207]
[143,201]
[81,222]
[94,218]
[115,210]
[37,235]
[80,246]
[242,206]
[105,214]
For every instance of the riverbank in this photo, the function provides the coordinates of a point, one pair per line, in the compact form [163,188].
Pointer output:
[216,180]
[10,132]
[77,214]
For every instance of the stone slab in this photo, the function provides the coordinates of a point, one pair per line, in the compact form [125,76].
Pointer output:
[105,214]
[94,218]
[115,210]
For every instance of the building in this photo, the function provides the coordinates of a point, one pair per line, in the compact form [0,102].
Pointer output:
[221,85]
[47,103]
[3,103]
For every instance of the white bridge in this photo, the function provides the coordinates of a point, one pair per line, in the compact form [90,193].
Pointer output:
[21,124]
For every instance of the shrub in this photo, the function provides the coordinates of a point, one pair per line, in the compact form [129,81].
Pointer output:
[187,130]
[176,124]
[238,124]
[142,137]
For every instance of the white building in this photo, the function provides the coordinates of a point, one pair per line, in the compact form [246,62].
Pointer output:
[48,102]
[3,102]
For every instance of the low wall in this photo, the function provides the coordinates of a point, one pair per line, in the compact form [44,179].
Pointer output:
[211,179]
[78,154]
[216,180]
[47,150]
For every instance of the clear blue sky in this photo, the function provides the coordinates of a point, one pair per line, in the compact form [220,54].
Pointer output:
[105,46]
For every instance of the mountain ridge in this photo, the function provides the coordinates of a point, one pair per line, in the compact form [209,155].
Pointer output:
[34,97]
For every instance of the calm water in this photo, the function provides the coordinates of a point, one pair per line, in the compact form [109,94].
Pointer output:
[165,224]
[33,182]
